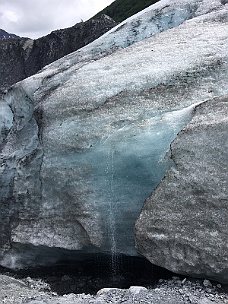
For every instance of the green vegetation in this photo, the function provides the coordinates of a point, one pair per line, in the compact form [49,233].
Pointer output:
[120,10]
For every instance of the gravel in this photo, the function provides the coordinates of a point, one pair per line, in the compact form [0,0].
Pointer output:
[173,291]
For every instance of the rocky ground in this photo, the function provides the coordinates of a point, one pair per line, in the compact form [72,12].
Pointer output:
[172,291]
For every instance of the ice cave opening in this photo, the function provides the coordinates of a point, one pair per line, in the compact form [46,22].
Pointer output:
[94,272]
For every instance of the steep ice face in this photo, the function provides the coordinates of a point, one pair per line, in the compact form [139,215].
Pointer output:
[118,173]
[149,22]
[102,189]
[125,168]
[183,224]
[162,16]
[193,69]
[6,120]
[20,161]
[100,122]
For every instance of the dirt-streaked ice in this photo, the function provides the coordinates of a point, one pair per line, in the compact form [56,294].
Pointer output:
[88,138]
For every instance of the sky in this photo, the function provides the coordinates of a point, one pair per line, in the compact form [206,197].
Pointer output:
[37,18]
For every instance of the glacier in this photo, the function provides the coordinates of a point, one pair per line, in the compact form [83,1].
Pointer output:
[6,120]
[86,140]
[183,224]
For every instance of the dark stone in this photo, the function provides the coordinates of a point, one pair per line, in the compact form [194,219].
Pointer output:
[23,57]
[5,35]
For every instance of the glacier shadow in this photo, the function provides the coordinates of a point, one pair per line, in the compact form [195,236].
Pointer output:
[70,275]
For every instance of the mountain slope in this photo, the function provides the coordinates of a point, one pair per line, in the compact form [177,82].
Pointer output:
[5,35]
[23,57]
[120,10]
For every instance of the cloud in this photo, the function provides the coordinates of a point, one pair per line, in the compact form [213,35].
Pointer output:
[37,18]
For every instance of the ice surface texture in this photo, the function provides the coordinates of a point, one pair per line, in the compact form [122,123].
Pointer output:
[184,224]
[86,138]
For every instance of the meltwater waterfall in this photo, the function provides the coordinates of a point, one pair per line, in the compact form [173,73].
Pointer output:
[111,223]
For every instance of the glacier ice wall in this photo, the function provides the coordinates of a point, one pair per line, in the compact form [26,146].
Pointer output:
[183,225]
[6,120]
[85,140]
